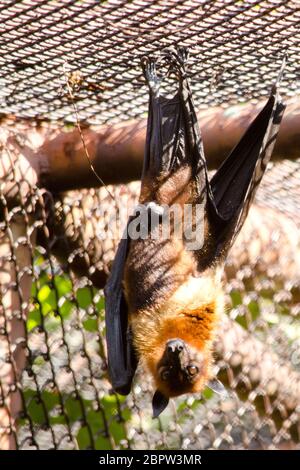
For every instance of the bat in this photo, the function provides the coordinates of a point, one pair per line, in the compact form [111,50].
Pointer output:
[164,295]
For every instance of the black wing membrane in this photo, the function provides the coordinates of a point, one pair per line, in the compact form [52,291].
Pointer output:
[122,361]
[234,184]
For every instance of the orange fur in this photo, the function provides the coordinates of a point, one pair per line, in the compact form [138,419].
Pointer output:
[195,325]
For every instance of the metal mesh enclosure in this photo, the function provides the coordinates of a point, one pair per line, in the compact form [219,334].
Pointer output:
[236,50]
[53,365]
[54,258]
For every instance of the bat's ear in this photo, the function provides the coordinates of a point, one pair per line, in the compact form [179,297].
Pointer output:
[216,386]
[159,403]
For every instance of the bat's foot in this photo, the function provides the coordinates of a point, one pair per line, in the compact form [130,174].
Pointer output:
[174,58]
[150,73]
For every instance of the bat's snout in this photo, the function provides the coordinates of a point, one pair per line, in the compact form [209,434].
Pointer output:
[175,346]
[176,353]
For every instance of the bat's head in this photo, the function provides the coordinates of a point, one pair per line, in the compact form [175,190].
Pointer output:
[180,355]
[181,369]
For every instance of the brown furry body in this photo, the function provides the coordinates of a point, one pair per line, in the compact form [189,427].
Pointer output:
[166,297]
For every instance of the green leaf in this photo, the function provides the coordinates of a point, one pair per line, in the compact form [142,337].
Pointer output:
[63,285]
[90,324]
[33,319]
[254,309]
[73,409]
[83,438]
[207,393]
[117,430]
[241,320]
[84,297]
[35,408]
[66,308]
[102,443]
[60,419]
[50,399]
[236,298]
[44,293]
[100,304]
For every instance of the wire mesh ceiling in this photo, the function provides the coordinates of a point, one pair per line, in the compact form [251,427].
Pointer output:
[236,50]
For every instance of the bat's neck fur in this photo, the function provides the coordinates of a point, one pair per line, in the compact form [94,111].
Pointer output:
[190,313]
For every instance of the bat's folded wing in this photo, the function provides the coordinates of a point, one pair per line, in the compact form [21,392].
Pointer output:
[122,361]
[234,184]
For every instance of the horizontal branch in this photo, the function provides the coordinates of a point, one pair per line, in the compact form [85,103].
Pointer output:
[117,152]
[54,157]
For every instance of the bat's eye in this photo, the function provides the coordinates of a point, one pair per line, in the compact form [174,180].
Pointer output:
[192,370]
[165,374]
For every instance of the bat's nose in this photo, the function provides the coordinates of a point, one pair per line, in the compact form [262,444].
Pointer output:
[175,345]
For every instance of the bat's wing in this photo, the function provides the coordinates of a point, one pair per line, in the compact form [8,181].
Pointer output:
[122,361]
[234,184]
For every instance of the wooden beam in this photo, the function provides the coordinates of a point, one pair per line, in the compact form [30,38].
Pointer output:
[54,157]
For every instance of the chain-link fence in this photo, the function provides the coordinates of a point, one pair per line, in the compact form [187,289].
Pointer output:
[54,258]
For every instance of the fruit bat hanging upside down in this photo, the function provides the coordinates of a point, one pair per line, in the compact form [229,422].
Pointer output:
[164,295]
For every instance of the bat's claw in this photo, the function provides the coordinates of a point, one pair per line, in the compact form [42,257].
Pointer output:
[177,56]
[174,58]
[149,70]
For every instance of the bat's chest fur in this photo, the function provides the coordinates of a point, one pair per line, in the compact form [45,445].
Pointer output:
[191,313]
